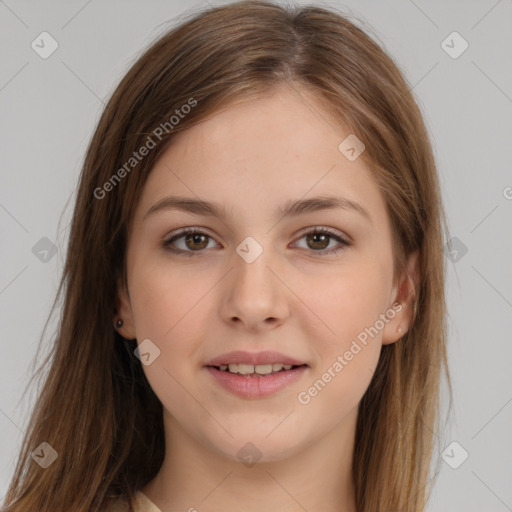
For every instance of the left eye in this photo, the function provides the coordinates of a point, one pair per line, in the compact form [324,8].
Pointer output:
[318,238]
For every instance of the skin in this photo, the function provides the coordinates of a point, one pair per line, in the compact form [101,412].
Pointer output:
[252,157]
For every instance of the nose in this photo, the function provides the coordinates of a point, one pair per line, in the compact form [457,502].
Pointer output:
[255,294]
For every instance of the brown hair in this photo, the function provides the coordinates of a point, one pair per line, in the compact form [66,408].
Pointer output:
[96,408]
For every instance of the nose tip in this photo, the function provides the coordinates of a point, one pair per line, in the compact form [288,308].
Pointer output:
[254,293]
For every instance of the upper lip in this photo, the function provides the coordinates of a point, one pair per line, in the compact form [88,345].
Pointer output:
[254,358]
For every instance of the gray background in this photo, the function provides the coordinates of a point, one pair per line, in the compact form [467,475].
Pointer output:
[49,107]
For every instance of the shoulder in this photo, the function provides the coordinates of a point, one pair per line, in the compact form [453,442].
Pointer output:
[116,505]
[144,504]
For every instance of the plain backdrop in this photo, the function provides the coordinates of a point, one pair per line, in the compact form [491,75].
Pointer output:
[49,108]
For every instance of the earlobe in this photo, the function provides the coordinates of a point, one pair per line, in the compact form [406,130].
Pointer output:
[407,297]
[124,313]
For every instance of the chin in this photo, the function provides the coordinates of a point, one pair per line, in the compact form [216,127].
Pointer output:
[252,446]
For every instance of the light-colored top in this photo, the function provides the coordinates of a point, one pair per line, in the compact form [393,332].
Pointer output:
[142,504]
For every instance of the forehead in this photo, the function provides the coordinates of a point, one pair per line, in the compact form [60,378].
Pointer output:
[261,153]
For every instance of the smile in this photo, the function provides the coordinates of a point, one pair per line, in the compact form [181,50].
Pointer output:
[252,383]
[253,370]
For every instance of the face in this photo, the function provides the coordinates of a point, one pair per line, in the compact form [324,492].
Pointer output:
[256,280]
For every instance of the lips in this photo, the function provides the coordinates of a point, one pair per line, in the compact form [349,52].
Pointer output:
[256,386]
[254,358]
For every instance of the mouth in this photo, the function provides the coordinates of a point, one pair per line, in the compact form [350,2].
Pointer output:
[255,374]
[255,371]
[249,381]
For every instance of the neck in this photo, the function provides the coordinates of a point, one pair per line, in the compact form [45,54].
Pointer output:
[316,477]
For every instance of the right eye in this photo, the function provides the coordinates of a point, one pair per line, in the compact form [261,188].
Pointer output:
[191,236]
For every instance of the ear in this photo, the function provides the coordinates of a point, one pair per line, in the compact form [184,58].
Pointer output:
[406,296]
[124,312]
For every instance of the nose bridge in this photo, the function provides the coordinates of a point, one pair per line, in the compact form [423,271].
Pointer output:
[252,261]
[254,291]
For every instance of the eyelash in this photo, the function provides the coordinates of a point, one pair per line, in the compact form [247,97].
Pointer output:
[194,231]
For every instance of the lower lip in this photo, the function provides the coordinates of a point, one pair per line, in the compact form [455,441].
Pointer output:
[256,387]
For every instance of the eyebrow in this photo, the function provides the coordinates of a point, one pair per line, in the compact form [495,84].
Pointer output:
[291,208]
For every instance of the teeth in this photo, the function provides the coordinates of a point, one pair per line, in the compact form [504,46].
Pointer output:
[244,369]
[278,366]
[261,369]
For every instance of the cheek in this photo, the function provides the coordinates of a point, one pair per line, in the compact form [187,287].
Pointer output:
[167,309]
[345,302]
[347,340]
[165,300]
[346,345]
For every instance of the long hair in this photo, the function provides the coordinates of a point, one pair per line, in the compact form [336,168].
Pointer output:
[95,407]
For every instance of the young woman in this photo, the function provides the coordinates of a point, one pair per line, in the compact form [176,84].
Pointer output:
[254,311]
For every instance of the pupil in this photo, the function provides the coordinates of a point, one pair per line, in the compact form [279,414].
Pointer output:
[194,238]
[323,236]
